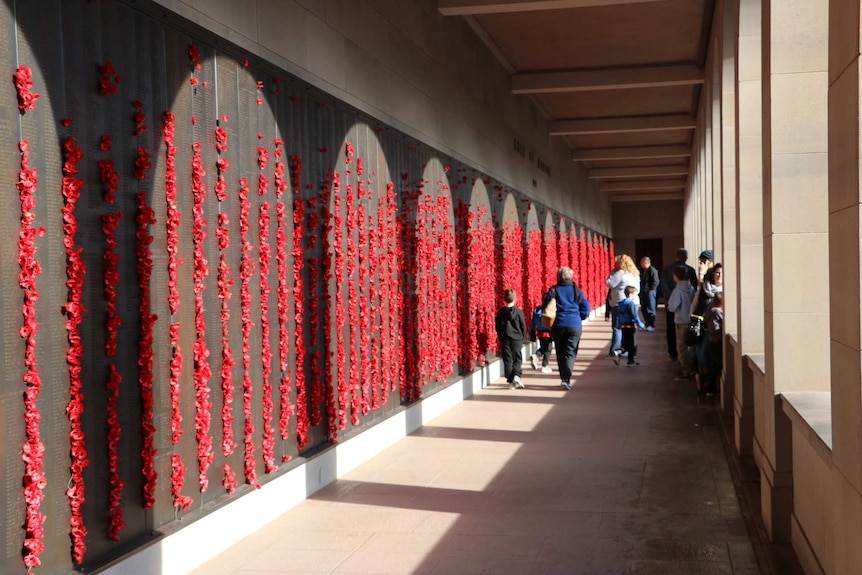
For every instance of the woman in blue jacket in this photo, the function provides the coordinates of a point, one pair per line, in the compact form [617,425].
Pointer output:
[572,308]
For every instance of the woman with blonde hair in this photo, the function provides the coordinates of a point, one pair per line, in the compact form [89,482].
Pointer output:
[625,273]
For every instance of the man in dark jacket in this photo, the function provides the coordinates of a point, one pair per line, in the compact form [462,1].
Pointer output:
[649,287]
[667,285]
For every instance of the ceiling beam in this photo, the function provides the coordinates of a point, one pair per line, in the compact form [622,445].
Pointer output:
[647,197]
[468,7]
[620,125]
[642,185]
[634,153]
[606,79]
[643,172]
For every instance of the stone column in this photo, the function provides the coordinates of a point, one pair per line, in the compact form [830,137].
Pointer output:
[795,235]
[845,202]
[727,234]
[749,218]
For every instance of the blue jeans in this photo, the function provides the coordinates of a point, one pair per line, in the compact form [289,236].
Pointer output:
[616,332]
[648,307]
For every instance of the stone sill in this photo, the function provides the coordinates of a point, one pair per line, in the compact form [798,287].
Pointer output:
[811,413]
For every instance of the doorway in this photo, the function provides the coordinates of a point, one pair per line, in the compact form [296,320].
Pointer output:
[652,248]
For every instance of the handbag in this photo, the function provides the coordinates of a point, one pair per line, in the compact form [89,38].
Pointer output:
[549,312]
[694,335]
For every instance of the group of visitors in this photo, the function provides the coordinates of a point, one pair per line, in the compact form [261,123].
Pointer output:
[696,303]
[571,308]
[693,307]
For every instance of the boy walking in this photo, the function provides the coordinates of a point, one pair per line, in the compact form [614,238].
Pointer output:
[679,304]
[629,324]
[511,329]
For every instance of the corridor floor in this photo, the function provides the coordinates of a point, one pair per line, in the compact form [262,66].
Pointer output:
[624,474]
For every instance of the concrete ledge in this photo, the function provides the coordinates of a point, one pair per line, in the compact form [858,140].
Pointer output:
[190,546]
[811,413]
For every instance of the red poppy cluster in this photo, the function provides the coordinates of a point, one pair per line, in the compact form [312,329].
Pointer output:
[536,282]
[74,311]
[110,224]
[346,385]
[325,392]
[200,351]
[142,163]
[551,257]
[513,256]
[283,295]
[302,422]
[476,240]
[246,271]
[225,281]
[145,218]
[172,225]
[33,450]
[23,79]
[367,388]
[109,178]
[109,80]
[264,258]
[313,217]
[139,118]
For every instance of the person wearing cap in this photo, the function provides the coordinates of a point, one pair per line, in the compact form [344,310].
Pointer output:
[704,263]
[667,284]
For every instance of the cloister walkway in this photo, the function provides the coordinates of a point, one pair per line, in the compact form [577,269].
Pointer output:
[627,473]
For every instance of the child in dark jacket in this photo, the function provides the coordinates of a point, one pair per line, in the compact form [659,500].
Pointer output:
[629,324]
[543,335]
[511,330]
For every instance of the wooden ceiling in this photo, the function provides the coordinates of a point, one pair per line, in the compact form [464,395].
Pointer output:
[619,80]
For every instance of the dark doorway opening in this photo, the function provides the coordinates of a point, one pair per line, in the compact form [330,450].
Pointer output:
[651,248]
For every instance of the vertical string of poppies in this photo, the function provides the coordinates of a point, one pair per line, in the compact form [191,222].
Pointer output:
[246,271]
[408,296]
[145,218]
[110,224]
[383,295]
[447,285]
[283,294]
[535,282]
[363,301]
[265,257]
[315,273]
[331,241]
[302,422]
[376,349]
[354,391]
[224,282]
[74,311]
[172,225]
[486,282]
[343,385]
[395,296]
[200,351]
[33,450]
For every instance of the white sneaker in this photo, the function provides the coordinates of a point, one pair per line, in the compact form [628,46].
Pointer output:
[534,362]
[616,354]
[565,385]
[512,385]
[650,328]
[518,383]
[547,369]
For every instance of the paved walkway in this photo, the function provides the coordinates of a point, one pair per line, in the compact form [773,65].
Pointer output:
[624,474]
